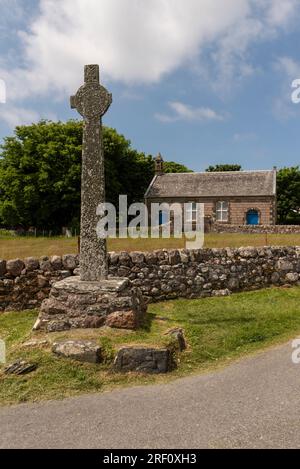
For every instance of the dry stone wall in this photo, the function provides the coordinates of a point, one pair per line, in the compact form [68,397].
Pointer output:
[255,229]
[160,275]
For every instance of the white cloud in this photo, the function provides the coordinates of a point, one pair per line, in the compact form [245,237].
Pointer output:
[184,112]
[13,115]
[282,107]
[131,95]
[266,20]
[288,66]
[280,12]
[134,41]
[138,41]
[2,92]
[244,137]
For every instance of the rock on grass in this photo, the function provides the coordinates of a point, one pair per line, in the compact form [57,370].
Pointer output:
[80,350]
[144,360]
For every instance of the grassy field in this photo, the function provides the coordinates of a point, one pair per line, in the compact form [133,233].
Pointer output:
[218,330]
[21,247]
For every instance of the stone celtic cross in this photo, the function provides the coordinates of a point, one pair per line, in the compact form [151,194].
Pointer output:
[92,101]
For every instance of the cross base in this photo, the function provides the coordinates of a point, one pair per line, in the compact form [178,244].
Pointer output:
[74,304]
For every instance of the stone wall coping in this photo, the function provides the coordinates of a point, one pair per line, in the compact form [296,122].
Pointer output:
[255,226]
[13,268]
[255,229]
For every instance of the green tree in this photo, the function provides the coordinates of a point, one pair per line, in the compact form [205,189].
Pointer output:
[223,167]
[40,173]
[288,195]
[172,167]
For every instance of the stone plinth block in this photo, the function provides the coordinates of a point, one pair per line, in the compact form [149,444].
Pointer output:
[74,303]
[143,360]
[80,350]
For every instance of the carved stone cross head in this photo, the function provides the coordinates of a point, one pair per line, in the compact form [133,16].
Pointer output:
[92,100]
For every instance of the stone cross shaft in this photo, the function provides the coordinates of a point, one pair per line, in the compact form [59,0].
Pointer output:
[92,101]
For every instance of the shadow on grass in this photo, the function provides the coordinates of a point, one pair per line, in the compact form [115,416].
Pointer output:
[147,323]
[216,321]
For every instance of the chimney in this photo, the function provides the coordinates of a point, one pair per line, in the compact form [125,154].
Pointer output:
[159,165]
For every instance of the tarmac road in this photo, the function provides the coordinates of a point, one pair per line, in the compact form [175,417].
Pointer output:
[253,403]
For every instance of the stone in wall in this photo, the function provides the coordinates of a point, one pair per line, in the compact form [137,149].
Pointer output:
[31,264]
[15,267]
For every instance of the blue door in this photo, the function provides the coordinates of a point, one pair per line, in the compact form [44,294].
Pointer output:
[252,217]
[163,218]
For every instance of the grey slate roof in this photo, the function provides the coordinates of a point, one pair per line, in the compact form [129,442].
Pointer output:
[218,184]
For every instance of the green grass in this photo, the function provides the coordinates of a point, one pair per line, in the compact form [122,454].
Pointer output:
[12,247]
[217,329]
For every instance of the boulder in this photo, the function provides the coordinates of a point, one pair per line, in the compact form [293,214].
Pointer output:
[247,252]
[80,350]
[124,258]
[35,343]
[113,258]
[15,267]
[69,261]
[45,264]
[225,292]
[177,338]
[56,262]
[42,281]
[284,265]
[292,277]
[275,277]
[174,257]
[144,360]
[137,257]
[31,263]
[150,258]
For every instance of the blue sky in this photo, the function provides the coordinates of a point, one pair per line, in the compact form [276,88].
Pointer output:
[201,81]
